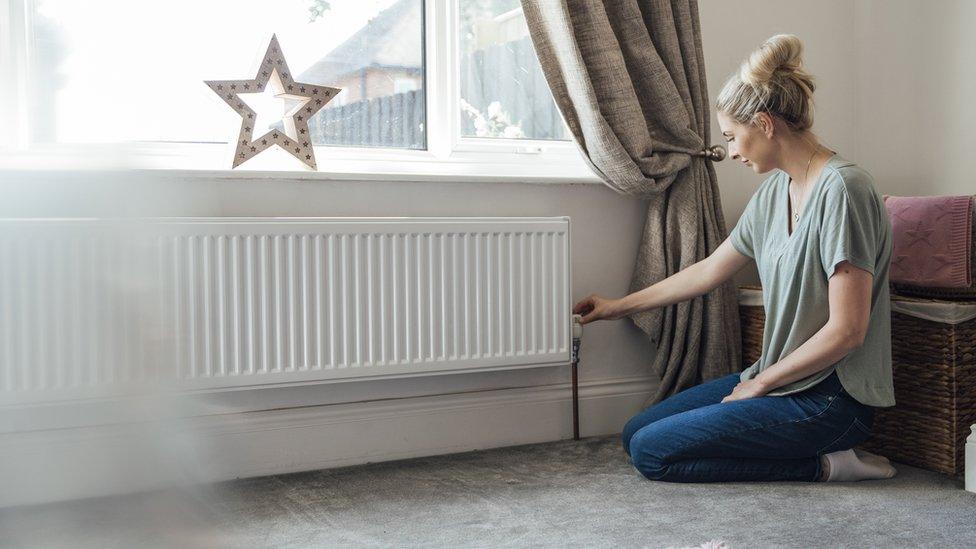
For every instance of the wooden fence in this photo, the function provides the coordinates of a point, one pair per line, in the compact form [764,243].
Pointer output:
[507,73]
[389,121]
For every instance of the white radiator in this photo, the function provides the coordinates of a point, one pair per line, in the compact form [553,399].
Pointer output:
[95,307]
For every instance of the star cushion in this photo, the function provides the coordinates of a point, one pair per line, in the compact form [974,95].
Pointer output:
[931,240]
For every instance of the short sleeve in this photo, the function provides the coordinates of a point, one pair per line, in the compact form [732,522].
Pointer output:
[743,234]
[850,228]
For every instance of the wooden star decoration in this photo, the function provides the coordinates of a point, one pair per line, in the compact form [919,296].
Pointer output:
[309,98]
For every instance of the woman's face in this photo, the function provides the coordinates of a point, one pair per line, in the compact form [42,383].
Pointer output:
[747,143]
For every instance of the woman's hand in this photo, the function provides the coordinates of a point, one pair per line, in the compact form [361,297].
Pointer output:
[595,307]
[747,389]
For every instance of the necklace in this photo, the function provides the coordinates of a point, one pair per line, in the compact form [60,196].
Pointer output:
[796,214]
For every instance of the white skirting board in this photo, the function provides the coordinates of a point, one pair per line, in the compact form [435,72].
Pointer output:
[63,464]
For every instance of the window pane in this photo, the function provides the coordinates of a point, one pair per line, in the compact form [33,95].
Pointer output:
[120,70]
[503,91]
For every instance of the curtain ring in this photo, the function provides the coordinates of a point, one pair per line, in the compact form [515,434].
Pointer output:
[715,153]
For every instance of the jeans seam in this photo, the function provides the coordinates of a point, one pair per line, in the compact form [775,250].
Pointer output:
[830,402]
[855,424]
[820,450]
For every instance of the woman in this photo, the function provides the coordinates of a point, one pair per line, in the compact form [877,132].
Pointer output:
[821,239]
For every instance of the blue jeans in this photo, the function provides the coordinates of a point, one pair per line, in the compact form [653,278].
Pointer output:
[693,437]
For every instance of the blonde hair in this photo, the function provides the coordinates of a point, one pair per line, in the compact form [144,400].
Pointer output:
[771,80]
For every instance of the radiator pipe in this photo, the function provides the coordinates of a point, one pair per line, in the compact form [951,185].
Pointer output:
[577,336]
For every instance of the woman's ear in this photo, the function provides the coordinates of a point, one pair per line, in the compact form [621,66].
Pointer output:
[765,124]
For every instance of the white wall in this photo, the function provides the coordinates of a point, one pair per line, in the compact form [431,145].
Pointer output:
[915,82]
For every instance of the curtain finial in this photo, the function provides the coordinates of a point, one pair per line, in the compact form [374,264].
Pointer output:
[715,153]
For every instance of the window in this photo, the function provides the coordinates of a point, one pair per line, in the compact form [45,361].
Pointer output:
[143,80]
[503,91]
[453,81]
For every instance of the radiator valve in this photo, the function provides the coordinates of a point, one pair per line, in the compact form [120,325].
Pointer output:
[577,336]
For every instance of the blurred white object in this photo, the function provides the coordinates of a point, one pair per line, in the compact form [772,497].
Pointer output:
[971,462]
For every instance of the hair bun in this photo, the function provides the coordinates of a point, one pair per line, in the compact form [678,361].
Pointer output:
[771,80]
[780,56]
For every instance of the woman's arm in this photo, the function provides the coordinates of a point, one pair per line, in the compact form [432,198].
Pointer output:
[693,281]
[849,295]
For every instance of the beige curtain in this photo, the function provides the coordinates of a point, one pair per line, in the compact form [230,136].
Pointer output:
[629,79]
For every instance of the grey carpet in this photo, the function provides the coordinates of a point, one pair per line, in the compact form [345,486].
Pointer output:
[582,493]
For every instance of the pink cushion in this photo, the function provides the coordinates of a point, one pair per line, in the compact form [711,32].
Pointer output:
[932,240]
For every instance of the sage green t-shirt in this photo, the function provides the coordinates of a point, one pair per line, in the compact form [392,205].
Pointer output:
[844,219]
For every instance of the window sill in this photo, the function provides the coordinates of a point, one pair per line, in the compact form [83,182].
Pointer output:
[556,165]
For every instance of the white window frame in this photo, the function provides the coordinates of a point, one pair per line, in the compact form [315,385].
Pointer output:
[449,155]
[14,38]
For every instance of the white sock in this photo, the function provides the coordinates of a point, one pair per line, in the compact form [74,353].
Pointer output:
[864,455]
[845,466]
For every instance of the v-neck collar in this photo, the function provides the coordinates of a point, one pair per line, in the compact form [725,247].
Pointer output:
[783,239]
[784,224]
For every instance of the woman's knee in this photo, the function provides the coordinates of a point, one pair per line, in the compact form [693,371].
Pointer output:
[636,423]
[705,394]
[630,428]
[648,454]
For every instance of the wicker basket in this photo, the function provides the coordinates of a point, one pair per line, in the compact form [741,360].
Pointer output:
[934,368]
